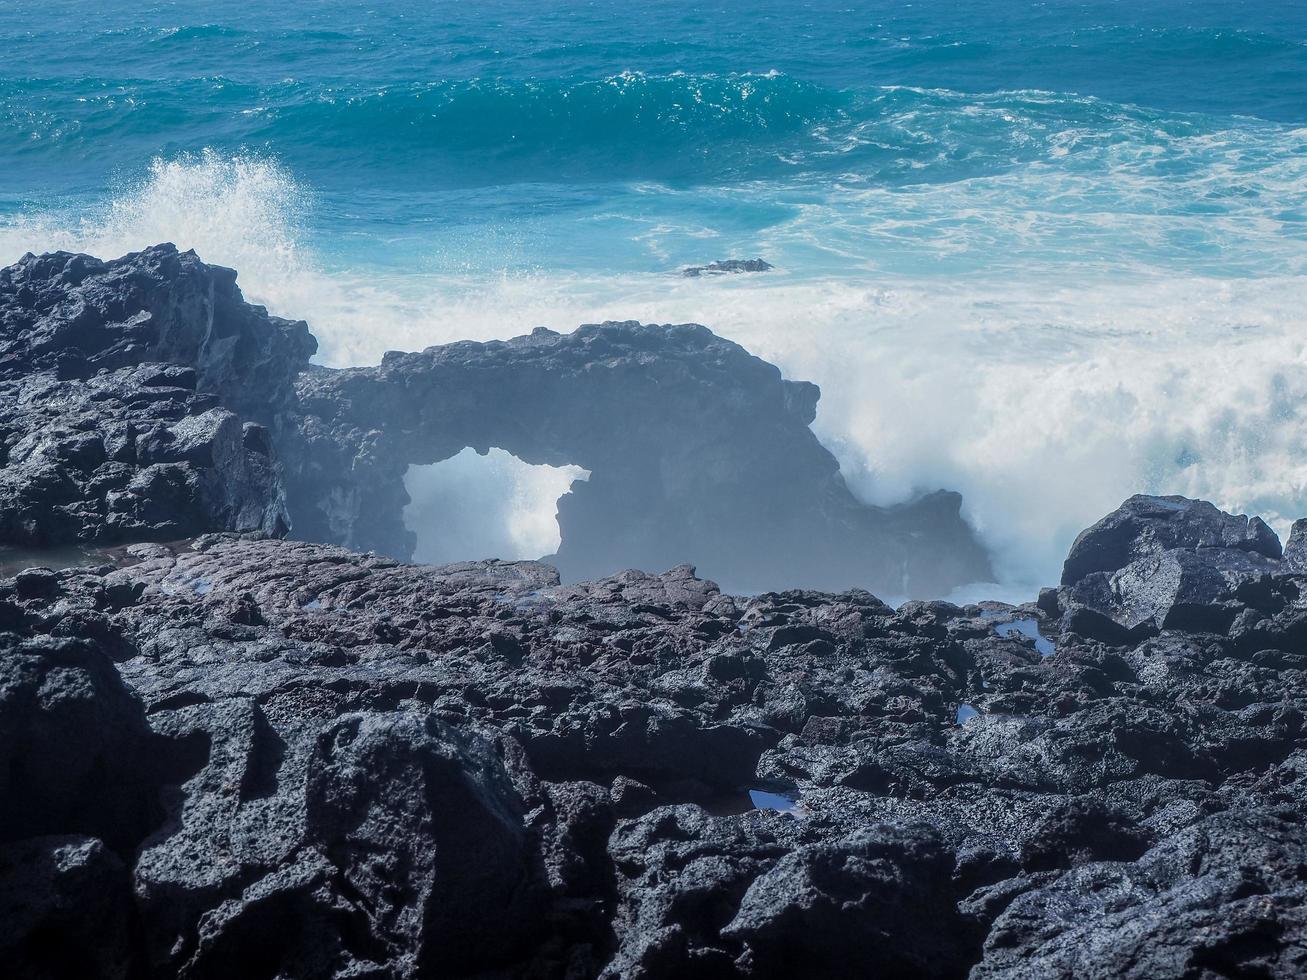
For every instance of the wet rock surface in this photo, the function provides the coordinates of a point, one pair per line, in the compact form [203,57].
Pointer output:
[1159,562]
[351,766]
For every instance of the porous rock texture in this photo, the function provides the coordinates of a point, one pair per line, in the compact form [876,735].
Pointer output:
[136,398]
[1161,562]
[144,399]
[318,763]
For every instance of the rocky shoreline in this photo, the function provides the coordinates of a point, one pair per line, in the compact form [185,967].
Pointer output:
[245,755]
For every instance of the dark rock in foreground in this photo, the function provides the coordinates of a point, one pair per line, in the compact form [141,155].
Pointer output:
[347,766]
[726,266]
[143,399]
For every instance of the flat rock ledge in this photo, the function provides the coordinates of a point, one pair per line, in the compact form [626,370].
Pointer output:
[246,756]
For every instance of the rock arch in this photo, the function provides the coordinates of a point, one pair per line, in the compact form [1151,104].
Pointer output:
[698,451]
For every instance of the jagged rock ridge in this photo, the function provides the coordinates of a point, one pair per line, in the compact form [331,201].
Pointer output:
[136,400]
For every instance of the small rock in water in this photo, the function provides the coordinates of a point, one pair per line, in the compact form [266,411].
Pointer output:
[724,266]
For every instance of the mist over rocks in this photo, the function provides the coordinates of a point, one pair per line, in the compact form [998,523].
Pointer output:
[143,399]
[696,449]
[350,766]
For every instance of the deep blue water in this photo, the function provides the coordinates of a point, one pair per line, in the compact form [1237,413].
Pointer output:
[1046,253]
[432,96]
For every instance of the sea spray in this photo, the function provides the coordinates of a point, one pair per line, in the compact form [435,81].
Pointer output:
[491,506]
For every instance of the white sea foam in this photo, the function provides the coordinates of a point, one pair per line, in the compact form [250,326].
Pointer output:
[1046,394]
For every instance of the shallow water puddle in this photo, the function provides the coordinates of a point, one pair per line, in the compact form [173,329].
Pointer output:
[737,803]
[65,557]
[763,800]
[15,560]
[966,712]
[1028,627]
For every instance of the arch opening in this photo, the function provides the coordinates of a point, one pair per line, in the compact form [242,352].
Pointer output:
[473,506]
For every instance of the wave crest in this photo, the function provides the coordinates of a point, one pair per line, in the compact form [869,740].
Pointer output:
[688,128]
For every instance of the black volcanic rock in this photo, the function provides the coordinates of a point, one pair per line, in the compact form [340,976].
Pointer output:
[158,306]
[353,766]
[76,754]
[882,897]
[1144,527]
[681,875]
[1295,549]
[65,910]
[127,389]
[1225,897]
[1159,562]
[427,830]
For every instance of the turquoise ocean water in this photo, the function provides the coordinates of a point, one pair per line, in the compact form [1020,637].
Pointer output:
[1048,254]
